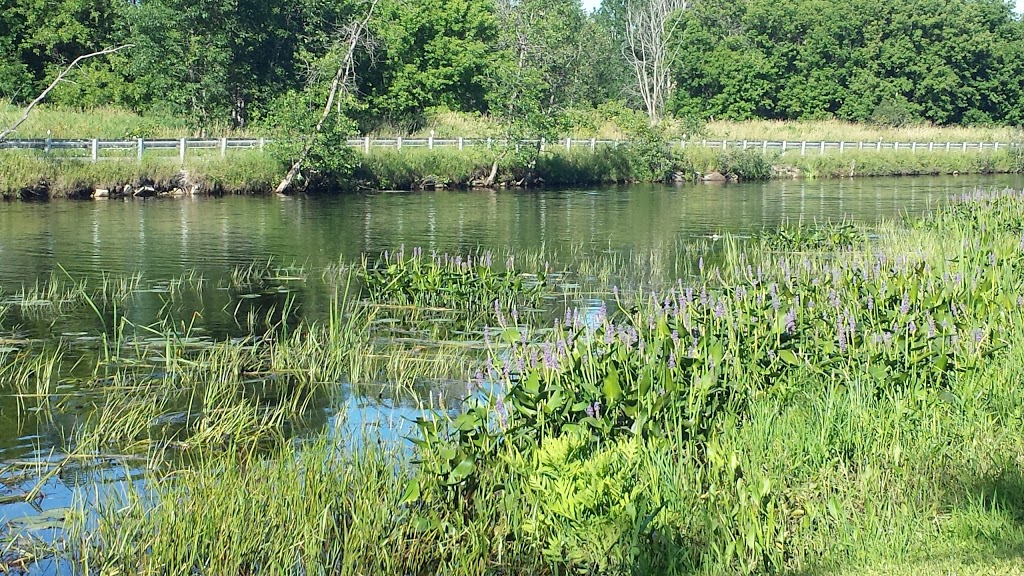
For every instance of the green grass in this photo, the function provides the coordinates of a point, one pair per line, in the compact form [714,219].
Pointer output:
[240,173]
[104,123]
[834,131]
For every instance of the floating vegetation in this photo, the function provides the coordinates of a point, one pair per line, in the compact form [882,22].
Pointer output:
[828,236]
[472,282]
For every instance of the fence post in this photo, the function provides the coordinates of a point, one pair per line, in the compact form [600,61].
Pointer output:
[542,142]
[981,146]
[784,146]
[764,147]
[568,143]
[430,141]
[724,144]
[181,150]
[142,146]
[223,147]
[963,147]
[366,145]
[95,145]
[913,147]
[803,147]
[995,146]
[842,146]
[744,144]
[261,143]
[460,143]
[822,151]
[879,145]
[931,146]
[398,144]
[593,144]
[489,142]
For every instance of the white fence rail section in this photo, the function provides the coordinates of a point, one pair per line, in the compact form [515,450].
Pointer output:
[93,149]
[97,149]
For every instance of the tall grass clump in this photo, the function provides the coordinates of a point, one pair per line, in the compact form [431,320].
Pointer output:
[325,507]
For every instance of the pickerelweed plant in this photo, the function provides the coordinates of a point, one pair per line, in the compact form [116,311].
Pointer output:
[682,363]
[472,282]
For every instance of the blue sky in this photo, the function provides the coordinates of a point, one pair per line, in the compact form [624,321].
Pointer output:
[593,4]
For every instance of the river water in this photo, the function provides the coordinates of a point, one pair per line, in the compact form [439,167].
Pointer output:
[160,239]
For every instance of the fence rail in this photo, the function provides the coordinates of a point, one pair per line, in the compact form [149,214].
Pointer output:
[92,149]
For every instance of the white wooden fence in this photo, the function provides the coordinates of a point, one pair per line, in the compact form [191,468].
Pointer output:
[100,149]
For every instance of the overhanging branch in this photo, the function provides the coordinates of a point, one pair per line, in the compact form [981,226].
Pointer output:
[28,109]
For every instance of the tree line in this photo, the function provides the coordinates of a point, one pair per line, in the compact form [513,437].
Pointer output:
[525,63]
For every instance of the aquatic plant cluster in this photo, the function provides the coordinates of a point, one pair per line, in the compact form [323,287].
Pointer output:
[810,398]
[458,282]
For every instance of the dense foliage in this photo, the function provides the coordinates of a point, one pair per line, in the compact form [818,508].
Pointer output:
[223,62]
[944,61]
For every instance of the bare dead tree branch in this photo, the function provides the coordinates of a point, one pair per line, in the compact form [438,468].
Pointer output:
[649,49]
[342,80]
[57,80]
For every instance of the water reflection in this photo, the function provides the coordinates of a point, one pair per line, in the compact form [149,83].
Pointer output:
[162,238]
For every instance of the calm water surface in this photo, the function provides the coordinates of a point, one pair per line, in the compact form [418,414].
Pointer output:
[162,238]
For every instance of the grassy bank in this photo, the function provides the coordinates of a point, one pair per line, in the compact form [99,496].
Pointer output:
[418,168]
[31,176]
[813,401]
[654,155]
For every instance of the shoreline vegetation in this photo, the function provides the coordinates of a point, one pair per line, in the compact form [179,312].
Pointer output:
[650,155]
[818,400]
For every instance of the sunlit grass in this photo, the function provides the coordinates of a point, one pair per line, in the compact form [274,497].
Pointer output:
[836,130]
[101,122]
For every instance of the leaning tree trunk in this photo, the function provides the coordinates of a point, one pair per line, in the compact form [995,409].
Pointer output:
[341,82]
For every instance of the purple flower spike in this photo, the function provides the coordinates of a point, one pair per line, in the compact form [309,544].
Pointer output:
[590,410]
[499,407]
